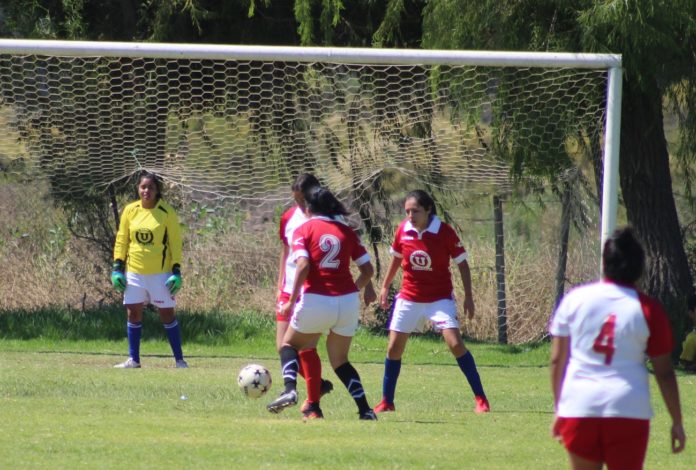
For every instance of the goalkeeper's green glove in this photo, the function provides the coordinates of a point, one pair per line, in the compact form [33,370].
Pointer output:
[118,279]
[174,281]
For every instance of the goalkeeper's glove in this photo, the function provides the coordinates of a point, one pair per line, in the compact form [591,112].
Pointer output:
[174,281]
[118,279]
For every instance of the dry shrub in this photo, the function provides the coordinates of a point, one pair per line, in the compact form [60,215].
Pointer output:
[233,268]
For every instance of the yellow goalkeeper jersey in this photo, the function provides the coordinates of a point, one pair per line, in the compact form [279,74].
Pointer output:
[149,240]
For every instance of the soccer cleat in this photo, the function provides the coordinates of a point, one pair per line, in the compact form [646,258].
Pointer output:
[128,364]
[326,387]
[482,405]
[368,415]
[384,406]
[181,364]
[312,412]
[285,400]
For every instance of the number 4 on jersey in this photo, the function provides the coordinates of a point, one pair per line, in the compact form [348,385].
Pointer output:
[604,342]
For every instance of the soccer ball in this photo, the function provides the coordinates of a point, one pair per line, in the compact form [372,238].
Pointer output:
[254,380]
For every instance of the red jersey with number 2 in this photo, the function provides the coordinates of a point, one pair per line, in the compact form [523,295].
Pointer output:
[425,260]
[611,328]
[330,246]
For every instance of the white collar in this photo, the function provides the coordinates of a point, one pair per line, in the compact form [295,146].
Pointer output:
[433,226]
[339,218]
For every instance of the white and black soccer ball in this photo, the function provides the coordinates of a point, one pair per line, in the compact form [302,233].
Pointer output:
[254,380]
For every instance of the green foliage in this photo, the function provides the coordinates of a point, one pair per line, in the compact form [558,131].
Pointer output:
[107,323]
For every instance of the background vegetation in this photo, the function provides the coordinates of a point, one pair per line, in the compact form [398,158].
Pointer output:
[659,74]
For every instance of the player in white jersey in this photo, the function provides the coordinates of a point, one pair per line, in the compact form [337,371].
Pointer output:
[602,333]
[291,219]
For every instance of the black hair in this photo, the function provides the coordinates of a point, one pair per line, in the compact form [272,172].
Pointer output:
[423,199]
[691,302]
[146,175]
[623,257]
[304,182]
[321,201]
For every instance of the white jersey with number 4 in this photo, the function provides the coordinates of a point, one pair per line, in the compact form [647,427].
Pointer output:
[611,328]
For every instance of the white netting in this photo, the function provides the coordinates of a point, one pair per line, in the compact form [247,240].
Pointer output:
[234,133]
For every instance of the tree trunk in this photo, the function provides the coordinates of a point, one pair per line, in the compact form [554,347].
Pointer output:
[646,185]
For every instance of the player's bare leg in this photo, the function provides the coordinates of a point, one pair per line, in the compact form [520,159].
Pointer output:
[580,463]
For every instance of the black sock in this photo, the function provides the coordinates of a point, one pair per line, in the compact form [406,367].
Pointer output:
[289,365]
[351,379]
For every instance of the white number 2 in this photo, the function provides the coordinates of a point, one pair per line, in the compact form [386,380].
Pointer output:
[331,245]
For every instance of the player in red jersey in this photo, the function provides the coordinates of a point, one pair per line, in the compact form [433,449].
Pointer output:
[602,332]
[322,249]
[423,246]
[291,220]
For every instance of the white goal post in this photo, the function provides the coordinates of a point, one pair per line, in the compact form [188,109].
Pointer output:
[234,124]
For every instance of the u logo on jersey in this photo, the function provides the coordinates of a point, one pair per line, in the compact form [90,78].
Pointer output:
[144,236]
[420,261]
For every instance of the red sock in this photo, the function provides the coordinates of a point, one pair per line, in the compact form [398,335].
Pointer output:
[310,362]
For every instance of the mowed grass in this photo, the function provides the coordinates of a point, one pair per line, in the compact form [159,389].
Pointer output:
[64,406]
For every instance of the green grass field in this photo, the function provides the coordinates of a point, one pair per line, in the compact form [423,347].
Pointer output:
[64,406]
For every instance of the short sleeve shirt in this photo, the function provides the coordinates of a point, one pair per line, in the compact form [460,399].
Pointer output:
[329,245]
[612,328]
[425,260]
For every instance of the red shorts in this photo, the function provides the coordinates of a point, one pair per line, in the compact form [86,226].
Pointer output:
[619,442]
[282,300]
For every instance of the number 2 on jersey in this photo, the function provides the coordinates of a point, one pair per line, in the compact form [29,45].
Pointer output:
[331,245]
[604,342]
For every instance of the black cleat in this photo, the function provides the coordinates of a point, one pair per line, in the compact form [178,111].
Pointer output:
[326,387]
[312,412]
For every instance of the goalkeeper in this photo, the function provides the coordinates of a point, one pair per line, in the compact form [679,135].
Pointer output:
[147,259]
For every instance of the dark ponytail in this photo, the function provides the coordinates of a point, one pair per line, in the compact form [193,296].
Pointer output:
[305,182]
[321,201]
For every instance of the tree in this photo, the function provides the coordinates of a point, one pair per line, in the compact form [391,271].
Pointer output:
[658,41]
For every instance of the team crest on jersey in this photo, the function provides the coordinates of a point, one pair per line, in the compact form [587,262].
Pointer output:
[144,236]
[420,261]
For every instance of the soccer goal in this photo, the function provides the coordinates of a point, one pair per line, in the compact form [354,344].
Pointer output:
[517,148]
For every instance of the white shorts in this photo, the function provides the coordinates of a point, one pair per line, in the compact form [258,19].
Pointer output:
[409,317]
[316,313]
[144,288]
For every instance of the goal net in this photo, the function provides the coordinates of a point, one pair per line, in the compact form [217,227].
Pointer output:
[228,128]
